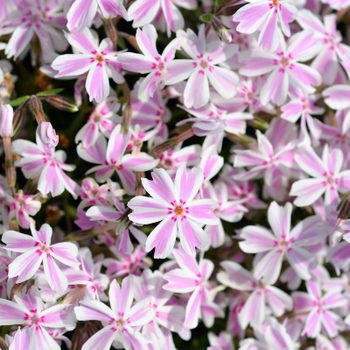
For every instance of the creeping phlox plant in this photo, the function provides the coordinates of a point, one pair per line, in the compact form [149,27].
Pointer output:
[175,174]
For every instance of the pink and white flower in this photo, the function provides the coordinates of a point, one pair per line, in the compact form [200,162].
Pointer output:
[327,177]
[37,320]
[121,321]
[111,158]
[270,17]
[37,250]
[174,204]
[283,68]
[41,162]
[319,309]
[100,62]
[203,68]
[191,277]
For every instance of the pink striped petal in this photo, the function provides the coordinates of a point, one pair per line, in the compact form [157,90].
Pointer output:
[71,65]
[102,340]
[162,238]
[17,242]
[97,84]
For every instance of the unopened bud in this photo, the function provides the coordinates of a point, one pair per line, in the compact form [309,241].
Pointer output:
[36,108]
[62,103]
[6,121]
[47,134]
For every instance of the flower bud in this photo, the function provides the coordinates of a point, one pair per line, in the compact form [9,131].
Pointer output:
[6,121]
[47,134]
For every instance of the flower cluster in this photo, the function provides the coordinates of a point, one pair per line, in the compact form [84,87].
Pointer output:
[176,174]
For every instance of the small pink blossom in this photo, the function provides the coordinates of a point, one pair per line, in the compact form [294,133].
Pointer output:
[41,162]
[100,62]
[121,321]
[173,203]
[191,277]
[270,17]
[37,250]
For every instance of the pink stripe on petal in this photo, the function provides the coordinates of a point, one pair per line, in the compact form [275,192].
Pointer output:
[162,238]
[71,65]
[102,340]
[193,309]
[66,253]
[11,313]
[93,310]
[17,242]
[97,84]
[25,265]
[55,277]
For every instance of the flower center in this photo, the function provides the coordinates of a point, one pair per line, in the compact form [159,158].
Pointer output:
[179,210]
[99,58]
[284,61]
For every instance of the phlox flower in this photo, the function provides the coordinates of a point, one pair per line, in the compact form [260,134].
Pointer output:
[111,158]
[260,297]
[333,54]
[271,158]
[88,275]
[173,158]
[37,320]
[327,177]
[30,18]
[127,264]
[213,119]
[82,12]
[191,277]
[270,17]
[121,321]
[37,250]
[302,106]
[203,68]
[111,214]
[103,119]
[319,309]
[143,12]
[226,209]
[150,61]
[283,69]
[282,242]
[22,207]
[167,315]
[99,61]
[39,161]
[173,203]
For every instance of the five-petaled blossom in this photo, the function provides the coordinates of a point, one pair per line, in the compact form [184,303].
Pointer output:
[191,277]
[202,69]
[175,205]
[270,17]
[326,175]
[37,320]
[283,242]
[121,321]
[100,62]
[283,68]
[40,161]
[318,309]
[37,250]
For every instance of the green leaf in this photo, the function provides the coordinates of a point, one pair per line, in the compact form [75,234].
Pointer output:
[18,101]
[218,4]
[206,17]
[49,92]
